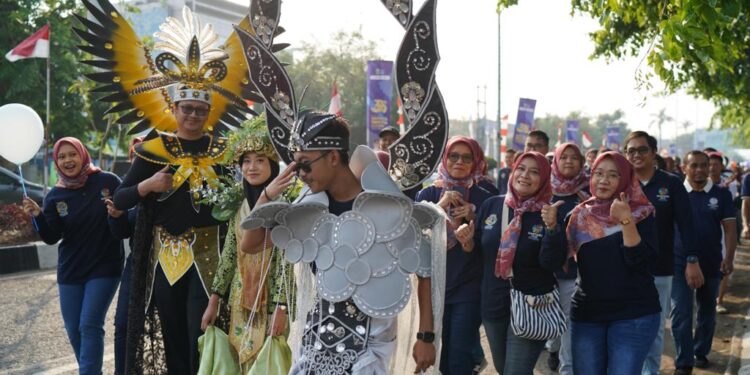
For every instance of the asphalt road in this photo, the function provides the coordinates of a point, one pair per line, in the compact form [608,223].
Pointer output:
[34,340]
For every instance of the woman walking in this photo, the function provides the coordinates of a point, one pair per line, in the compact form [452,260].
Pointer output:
[90,258]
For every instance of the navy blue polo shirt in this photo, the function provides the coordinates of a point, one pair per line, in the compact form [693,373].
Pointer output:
[614,280]
[571,201]
[668,195]
[746,186]
[538,254]
[503,175]
[464,270]
[79,217]
[711,206]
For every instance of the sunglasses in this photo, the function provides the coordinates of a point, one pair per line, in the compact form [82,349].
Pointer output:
[189,110]
[466,158]
[306,166]
[643,150]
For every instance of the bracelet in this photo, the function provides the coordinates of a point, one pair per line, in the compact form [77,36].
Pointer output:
[266,194]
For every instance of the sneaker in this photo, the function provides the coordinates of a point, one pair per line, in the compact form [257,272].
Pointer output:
[553,361]
[479,367]
[721,309]
[701,361]
[683,371]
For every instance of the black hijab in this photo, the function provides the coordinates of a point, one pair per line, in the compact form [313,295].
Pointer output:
[252,193]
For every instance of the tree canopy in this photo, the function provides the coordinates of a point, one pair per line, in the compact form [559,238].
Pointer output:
[700,46]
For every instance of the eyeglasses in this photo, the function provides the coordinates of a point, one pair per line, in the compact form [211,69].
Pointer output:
[643,150]
[466,158]
[306,166]
[189,110]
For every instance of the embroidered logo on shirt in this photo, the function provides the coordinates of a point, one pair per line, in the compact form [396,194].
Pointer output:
[490,221]
[62,208]
[713,203]
[663,194]
[536,232]
[105,194]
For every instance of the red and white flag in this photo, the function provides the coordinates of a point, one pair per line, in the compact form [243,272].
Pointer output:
[335,106]
[36,45]
[586,140]
[400,111]
[503,133]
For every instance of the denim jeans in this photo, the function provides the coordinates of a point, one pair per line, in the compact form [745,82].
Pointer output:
[687,345]
[121,319]
[521,354]
[84,307]
[653,359]
[615,348]
[461,323]
[562,344]
[497,336]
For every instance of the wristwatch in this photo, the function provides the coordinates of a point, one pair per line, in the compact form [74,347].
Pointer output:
[428,337]
[626,221]
[692,259]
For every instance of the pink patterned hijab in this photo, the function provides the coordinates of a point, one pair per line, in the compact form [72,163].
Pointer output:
[590,220]
[73,182]
[534,203]
[564,186]
[478,171]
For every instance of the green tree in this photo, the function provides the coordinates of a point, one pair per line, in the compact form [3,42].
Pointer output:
[72,112]
[659,119]
[345,61]
[697,45]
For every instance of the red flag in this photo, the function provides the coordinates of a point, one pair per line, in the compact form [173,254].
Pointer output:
[400,111]
[36,45]
[335,106]
[586,140]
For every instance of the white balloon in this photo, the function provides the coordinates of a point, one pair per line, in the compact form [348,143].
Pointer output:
[21,133]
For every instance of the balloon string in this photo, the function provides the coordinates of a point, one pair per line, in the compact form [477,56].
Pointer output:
[26,195]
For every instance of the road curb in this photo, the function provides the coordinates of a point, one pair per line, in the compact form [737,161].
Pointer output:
[27,257]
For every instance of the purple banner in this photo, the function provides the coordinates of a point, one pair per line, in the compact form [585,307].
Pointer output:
[379,89]
[524,122]
[613,138]
[672,149]
[572,128]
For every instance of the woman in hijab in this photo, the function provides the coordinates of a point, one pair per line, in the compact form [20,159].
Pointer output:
[520,237]
[461,188]
[90,258]
[570,184]
[615,309]
[257,288]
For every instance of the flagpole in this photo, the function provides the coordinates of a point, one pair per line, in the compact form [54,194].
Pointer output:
[46,127]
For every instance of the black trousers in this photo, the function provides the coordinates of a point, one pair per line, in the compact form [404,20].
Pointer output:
[180,307]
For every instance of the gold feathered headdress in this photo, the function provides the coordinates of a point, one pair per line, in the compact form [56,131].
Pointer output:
[192,63]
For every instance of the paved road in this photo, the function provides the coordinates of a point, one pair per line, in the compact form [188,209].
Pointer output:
[34,340]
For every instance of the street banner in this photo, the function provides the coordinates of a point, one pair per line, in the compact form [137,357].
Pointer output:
[613,138]
[572,128]
[672,149]
[379,95]
[524,122]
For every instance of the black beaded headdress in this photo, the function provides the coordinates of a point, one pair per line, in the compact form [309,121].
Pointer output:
[415,155]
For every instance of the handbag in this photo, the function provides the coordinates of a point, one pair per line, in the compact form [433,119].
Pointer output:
[534,317]
[216,356]
[274,358]
[537,317]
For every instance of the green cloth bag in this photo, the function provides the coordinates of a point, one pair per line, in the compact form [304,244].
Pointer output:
[274,358]
[216,356]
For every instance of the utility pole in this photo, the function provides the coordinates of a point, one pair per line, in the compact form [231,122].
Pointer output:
[499,74]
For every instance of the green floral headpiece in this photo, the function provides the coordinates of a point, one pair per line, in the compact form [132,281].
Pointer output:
[251,137]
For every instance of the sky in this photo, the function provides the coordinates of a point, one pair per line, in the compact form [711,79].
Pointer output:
[544,50]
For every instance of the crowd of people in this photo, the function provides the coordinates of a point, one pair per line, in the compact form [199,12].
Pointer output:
[303,255]
[611,236]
